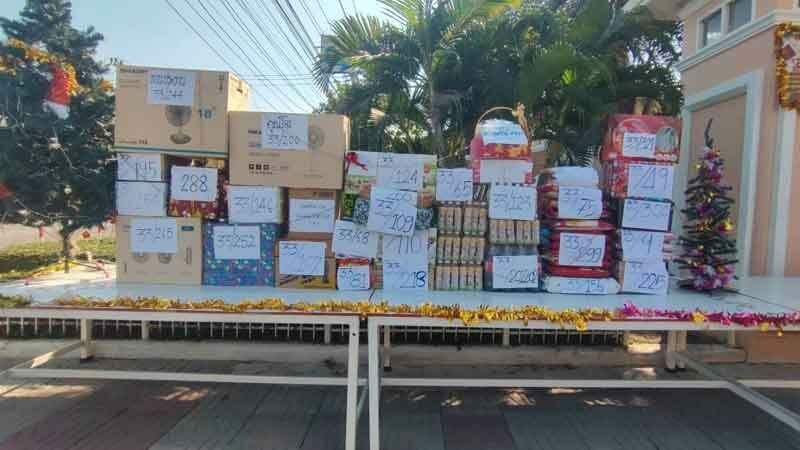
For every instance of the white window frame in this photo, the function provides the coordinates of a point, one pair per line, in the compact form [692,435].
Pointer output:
[724,9]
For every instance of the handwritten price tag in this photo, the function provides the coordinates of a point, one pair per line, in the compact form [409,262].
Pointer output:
[284,131]
[639,145]
[193,183]
[454,185]
[392,211]
[139,167]
[504,171]
[646,215]
[512,202]
[154,236]
[140,198]
[577,249]
[642,245]
[254,204]
[352,278]
[645,278]
[406,247]
[170,87]
[301,258]
[502,132]
[591,286]
[311,216]
[405,275]
[237,242]
[351,239]
[648,180]
[515,272]
[404,172]
[579,203]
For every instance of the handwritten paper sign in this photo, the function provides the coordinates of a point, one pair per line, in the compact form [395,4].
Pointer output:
[392,211]
[351,239]
[404,172]
[578,249]
[639,145]
[505,171]
[650,181]
[454,185]
[301,258]
[352,278]
[411,247]
[141,198]
[515,272]
[405,261]
[154,235]
[254,204]
[502,132]
[645,278]
[170,87]
[237,242]
[139,167]
[284,131]
[575,202]
[646,215]
[311,216]
[512,202]
[193,183]
[642,245]
[592,286]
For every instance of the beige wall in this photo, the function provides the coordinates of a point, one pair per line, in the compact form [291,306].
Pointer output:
[793,238]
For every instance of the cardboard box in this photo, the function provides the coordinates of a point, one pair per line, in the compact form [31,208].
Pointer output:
[327,281]
[183,267]
[141,198]
[256,204]
[316,162]
[240,272]
[656,138]
[328,245]
[181,112]
[312,213]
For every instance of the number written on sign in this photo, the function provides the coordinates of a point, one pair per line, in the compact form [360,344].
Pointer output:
[170,87]
[136,198]
[284,131]
[392,211]
[406,247]
[352,239]
[139,167]
[645,278]
[650,181]
[237,242]
[404,172]
[504,171]
[640,245]
[639,145]
[402,275]
[311,216]
[454,185]
[515,272]
[578,249]
[512,202]
[593,286]
[576,202]
[646,214]
[254,204]
[352,278]
[301,258]
[502,132]
[194,184]
[154,236]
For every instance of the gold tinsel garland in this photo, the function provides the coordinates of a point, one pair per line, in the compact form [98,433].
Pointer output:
[33,54]
[785,97]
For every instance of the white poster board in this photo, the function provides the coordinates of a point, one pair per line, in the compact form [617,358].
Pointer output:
[154,235]
[578,202]
[639,145]
[141,198]
[352,278]
[301,258]
[504,171]
[237,242]
[405,262]
[645,278]
[454,185]
[515,272]
[197,184]
[502,132]
[643,246]
[392,211]
[646,214]
[403,172]
[650,181]
[352,239]
[170,87]
[139,167]
[311,215]
[280,131]
[254,204]
[512,202]
[580,249]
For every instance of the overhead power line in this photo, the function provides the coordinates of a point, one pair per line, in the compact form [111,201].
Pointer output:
[288,21]
[311,16]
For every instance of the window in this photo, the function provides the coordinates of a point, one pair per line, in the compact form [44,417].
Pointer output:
[739,12]
[712,27]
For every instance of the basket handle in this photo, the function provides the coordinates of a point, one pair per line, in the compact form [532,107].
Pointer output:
[518,113]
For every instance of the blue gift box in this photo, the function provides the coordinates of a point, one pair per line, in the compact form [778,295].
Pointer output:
[240,272]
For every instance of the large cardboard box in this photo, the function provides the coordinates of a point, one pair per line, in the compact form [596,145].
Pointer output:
[183,267]
[288,150]
[312,213]
[326,281]
[181,112]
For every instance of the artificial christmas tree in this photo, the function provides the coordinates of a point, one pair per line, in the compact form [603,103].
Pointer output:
[56,112]
[708,250]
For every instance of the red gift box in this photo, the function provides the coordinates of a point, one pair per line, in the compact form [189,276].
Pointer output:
[664,131]
[216,210]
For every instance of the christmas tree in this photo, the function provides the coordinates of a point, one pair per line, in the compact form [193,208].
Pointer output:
[709,250]
[56,113]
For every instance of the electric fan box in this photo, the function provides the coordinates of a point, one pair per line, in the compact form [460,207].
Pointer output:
[179,112]
[288,150]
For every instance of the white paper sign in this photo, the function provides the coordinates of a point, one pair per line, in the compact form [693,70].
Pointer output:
[645,278]
[646,215]
[502,132]
[154,235]
[301,258]
[352,239]
[311,216]
[352,278]
[504,171]
[642,245]
[141,198]
[404,172]
[237,242]
[139,167]
[254,204]
[575,202]
[650,181]
[406,247]
[367,165]
[193,183]
[454,185]
[170,87]
[593,286]
[578,249]
[392,211]
[512,202]
[515,272]
[639,145]
[284,131]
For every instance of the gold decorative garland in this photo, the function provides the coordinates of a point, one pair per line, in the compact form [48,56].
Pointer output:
[33,54]
[785,94]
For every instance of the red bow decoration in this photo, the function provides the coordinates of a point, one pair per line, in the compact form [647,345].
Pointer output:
[352,158]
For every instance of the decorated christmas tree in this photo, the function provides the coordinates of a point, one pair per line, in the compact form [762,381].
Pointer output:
[56,113]
[708,249]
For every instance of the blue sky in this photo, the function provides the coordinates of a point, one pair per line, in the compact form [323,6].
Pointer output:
[148,32]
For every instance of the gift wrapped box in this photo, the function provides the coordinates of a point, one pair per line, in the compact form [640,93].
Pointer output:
[654,138]
[361,170]
[499,139]
[211,210]
[240,272]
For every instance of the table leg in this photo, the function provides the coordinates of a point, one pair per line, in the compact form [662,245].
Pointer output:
[681,347]
[374,385]
[670,362]
[146,330]
[387,348]
[87,347]
[352,386]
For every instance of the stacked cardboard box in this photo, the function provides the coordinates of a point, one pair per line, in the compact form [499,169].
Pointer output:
[639,156]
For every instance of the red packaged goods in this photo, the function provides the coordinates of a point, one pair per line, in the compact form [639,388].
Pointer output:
[501,139]
[646,179]
[577,272]
[634,137]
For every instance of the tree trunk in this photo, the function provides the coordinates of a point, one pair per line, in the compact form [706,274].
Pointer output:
[66,250]
[436,123]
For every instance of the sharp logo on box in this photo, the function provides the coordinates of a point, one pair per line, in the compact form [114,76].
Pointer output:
[132,70]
